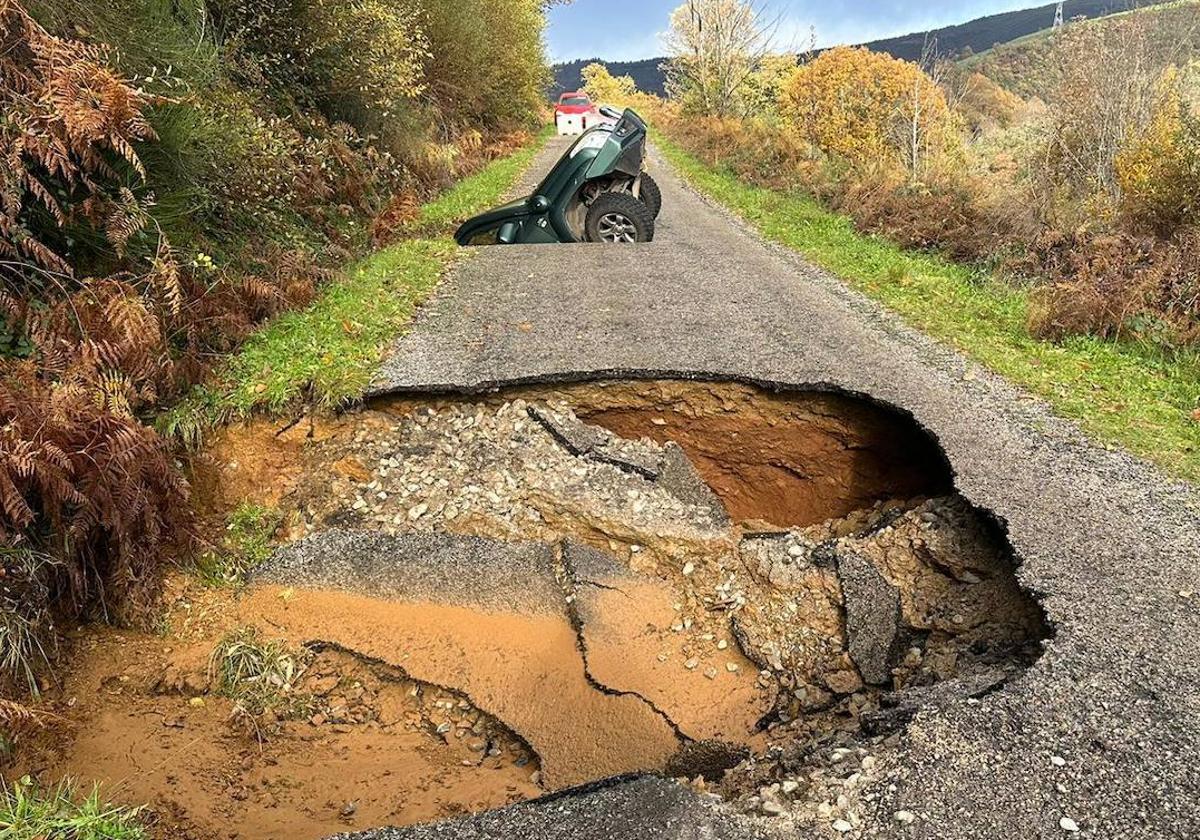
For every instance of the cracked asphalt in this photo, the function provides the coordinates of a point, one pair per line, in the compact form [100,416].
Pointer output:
[1102,733]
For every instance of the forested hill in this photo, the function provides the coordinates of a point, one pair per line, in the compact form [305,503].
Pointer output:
[647,74]
[963,39]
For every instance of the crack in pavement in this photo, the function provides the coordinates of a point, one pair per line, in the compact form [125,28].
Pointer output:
[570,594]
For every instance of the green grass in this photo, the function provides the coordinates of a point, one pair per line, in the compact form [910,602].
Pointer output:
[326,354]
[1132,395]
[29,813]
[245,545]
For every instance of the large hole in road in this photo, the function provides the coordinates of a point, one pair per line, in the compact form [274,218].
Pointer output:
[489,598]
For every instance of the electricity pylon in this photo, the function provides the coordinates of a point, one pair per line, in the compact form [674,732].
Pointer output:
[1058,17]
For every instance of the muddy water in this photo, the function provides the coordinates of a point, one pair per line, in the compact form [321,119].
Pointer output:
[692,626]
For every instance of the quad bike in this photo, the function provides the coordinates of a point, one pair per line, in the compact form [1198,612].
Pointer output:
[597,192]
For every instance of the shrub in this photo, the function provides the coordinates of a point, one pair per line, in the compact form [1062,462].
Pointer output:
[1117,286]
[347,58]
[67,141]
[870,108]
[1159,169]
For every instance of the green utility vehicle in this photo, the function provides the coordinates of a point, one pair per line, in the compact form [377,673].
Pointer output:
[597,192]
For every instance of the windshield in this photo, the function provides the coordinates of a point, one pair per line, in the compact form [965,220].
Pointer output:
[575,100]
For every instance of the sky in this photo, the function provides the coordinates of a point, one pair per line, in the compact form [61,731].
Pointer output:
[624,30]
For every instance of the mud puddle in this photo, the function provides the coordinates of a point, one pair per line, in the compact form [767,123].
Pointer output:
[494,599]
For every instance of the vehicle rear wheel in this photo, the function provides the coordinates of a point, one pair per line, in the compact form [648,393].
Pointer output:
[618,218]
[651,195]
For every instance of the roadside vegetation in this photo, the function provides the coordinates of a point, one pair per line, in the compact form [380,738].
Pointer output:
[324,354]
[28,812]
[1055,239]
[260,677]
[246,543]
[179,176]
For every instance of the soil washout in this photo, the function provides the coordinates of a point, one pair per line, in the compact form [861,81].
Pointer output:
[507,596]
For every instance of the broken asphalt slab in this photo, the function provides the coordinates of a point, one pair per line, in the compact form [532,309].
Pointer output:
[444,568]
[1106,542]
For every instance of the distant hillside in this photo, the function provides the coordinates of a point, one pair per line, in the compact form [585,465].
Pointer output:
[962,40]
[1029,66]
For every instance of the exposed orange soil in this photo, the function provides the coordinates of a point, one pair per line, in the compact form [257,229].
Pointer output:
[524,669]
[371,757]
[709,692]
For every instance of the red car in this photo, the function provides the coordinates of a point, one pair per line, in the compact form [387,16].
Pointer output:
[575,113]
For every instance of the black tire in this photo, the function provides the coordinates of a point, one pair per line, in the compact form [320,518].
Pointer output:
[651,195]
[618,218]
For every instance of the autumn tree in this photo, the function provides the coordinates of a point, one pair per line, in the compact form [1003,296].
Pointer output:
[1109,88]
[603,86]
[868,107]
[1158,170]
[486,60]
[715,46]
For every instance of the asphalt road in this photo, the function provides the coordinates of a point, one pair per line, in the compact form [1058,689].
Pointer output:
[1110,547]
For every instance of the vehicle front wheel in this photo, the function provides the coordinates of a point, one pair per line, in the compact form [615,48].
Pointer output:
[618,218]
[650,194]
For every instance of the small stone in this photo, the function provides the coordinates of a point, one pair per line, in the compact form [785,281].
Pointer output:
[731,667]
[692,664]
[790,786]
[843,682]
[905,817]
[1058,761]
[417,512]
[721,645]
[196,702]
[689,567]
[841,826]
[711,673]
[771,807]
[1068,825]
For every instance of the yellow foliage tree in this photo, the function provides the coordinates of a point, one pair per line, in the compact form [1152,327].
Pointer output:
[1159,169]
[603,86]
[869,108]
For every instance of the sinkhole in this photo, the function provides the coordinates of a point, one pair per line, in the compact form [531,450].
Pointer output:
[493,597]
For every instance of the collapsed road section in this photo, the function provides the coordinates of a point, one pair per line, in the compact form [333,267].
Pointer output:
[699,580]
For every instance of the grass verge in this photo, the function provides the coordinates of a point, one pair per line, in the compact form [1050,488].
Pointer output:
[326,354]
[62,813]
[1137,396]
